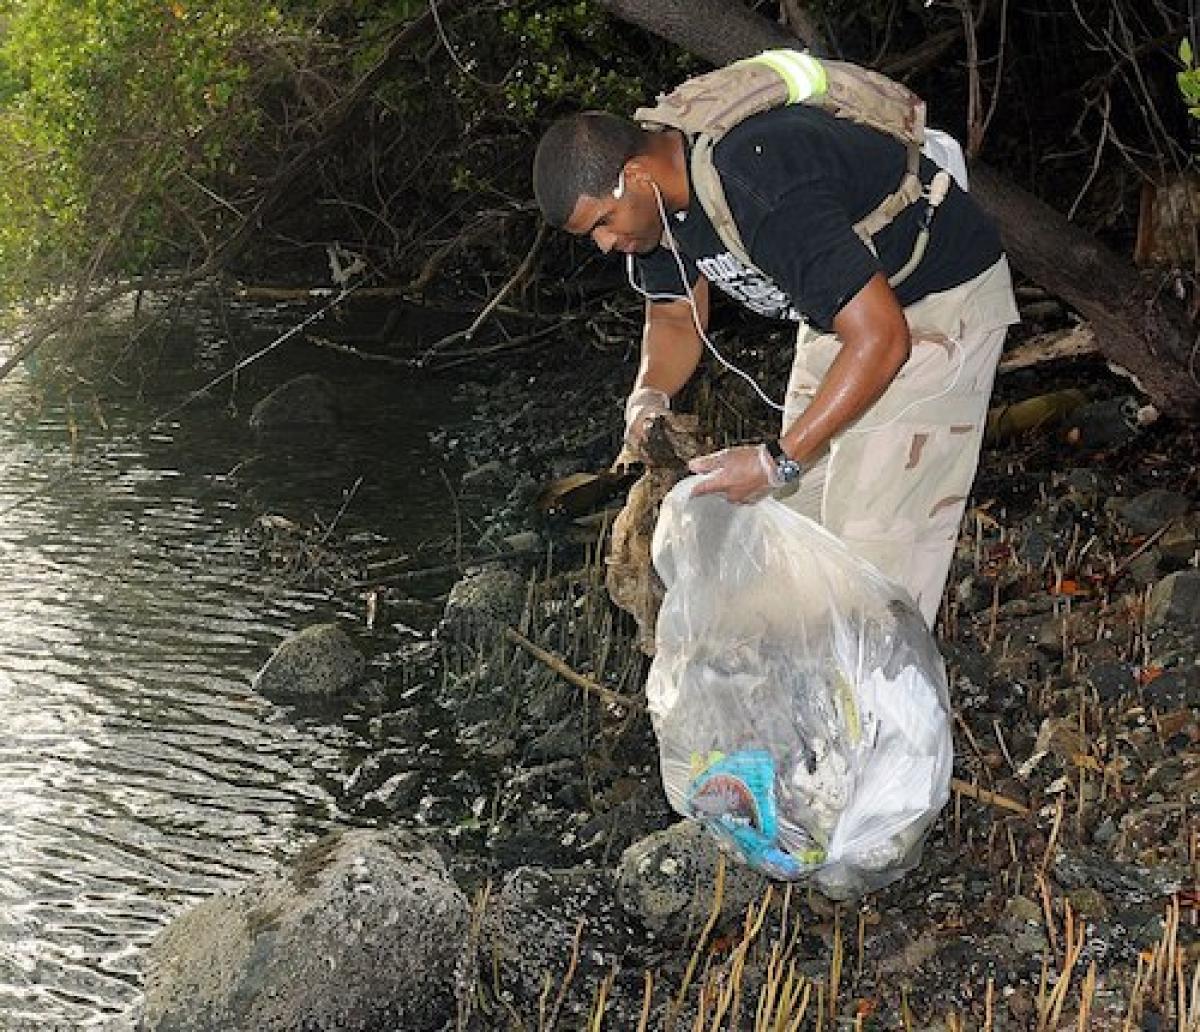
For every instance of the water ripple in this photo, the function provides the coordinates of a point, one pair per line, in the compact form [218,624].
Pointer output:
[138,771]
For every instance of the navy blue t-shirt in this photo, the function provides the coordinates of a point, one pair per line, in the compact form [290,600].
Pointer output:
[796,180]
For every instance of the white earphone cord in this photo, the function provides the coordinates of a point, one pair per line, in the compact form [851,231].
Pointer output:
[691,300]
[669,237]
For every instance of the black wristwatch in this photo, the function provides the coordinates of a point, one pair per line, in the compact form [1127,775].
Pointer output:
[787,468]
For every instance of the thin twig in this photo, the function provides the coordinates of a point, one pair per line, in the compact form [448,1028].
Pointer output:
[560,667]
[965,788]
[514,280]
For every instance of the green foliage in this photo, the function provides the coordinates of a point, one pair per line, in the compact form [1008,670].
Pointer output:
[1189,78]
[103,105]
[574,55]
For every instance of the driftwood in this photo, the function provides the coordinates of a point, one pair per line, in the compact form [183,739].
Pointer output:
[1050,347]
[631,579]
[1143,330]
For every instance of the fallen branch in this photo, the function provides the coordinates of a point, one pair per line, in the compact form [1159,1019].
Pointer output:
[515,280]
[366,356]
[1125,563]
[565,672]
[269,293]
[450,359]
[1048,347]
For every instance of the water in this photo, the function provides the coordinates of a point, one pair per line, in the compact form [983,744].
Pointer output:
[138,771]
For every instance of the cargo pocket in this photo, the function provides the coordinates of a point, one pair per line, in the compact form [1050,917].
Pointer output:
[896,496]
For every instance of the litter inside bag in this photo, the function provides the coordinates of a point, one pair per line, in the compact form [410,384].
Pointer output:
[799,699]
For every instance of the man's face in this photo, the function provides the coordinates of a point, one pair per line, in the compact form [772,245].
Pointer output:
[629,224]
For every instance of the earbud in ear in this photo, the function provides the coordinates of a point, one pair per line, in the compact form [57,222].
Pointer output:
[619,189]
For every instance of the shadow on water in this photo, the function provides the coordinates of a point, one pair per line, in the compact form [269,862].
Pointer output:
[139,772]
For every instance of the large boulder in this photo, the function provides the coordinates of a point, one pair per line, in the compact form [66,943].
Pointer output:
[365,933]
[307,402]
[315,663]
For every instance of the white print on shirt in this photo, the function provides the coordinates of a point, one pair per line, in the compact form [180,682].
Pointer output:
[748,286]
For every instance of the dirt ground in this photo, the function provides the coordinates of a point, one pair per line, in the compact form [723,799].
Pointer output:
[1061,885]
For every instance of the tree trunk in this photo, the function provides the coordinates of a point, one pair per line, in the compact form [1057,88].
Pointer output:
[716,30]
[1143,331]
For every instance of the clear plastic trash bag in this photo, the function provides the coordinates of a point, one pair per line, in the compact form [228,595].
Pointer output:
[799,700]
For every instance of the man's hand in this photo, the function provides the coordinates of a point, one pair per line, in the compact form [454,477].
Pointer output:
[641,408]
[742,474]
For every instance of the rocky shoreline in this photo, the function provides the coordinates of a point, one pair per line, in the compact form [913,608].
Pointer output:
[546,884]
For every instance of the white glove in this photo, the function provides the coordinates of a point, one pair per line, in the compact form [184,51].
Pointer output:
[641,408]
[742,474]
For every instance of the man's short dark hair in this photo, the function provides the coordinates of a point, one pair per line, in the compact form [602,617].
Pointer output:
[582,154]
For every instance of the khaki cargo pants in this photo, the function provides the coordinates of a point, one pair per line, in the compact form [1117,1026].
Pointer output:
[894,485]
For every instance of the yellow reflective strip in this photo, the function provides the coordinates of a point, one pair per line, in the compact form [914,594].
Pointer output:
[804,75]
[795,87]
[810,68]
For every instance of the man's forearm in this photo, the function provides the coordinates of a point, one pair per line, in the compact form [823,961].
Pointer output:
[670,356]
[875,345]
[671,346]
[856,380]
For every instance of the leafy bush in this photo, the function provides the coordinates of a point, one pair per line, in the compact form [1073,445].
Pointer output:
[1189,78]
[112,115]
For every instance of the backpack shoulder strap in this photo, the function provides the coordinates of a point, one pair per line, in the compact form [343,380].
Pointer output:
[706,107]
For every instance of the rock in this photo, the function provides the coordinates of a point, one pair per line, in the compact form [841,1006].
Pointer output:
[523,541]
[485,600]
[1035,543]
[1143,569]
[307,401]
[1112,681]
[667,880]
[1089,902]
[973,594]
[1107,423]
[317,662]
[538,920]
[378,768]
[1175,601]
[1084,486]
[1106,832]
[1049,638]
[493,475]
[397,726]
[1020,912]
[1116,880]
[399,795]
[1174,688]
[1180,543]
[565,739]
[365,932]
[1149,511]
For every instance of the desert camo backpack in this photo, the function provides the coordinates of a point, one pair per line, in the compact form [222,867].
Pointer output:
[708,106]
